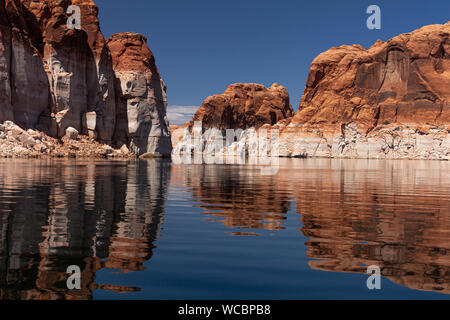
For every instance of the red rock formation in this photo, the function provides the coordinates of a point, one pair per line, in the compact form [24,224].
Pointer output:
[53,77]
[391,101]
[78,67]
[141,96]
[245,105]
[242,106]
[403,80]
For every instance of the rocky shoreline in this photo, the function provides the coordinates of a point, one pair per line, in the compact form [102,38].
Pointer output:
[16,142]
[387,141]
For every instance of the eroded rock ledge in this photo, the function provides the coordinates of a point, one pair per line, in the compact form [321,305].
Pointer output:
[389,141]
[243,106]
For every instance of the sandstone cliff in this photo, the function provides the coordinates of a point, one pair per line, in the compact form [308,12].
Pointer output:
[140,95]
[246,106]
[390,101]
[53,77]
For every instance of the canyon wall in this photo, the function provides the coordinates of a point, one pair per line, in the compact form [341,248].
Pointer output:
[54,77]
[390,101]
[140,95]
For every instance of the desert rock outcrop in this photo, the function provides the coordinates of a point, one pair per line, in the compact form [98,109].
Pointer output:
[140,95]
[244,106]
[390,101]
[54,77]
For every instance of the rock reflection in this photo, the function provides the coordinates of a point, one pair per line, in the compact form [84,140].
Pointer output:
[107,215]
[239,196]
[95,215]
[355,213]
[392,214]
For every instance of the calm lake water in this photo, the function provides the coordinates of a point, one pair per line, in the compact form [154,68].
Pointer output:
[156,230]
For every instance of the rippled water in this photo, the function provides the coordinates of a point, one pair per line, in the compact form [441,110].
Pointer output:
[153,230]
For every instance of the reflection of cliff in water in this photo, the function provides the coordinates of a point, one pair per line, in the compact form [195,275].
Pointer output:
[382,213]
[91,214]
[356,213]
[107,215]
[238,195]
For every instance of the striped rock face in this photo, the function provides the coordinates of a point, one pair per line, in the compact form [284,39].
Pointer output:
[54,77]
[405,80]
[141,96]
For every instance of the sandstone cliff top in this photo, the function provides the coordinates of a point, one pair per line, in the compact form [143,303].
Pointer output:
[130,36]
[403,80]
[245,105]
[421,43]
[130,52]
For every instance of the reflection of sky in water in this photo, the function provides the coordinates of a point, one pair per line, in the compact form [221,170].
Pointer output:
[150,230]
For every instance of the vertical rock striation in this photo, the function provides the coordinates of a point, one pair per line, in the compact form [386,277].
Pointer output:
[53,77]
[28,86]
[6,111]
[141,96]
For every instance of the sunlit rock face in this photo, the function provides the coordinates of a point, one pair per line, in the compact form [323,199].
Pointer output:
[54,77]
[403,80]
[59,74]
[141,96]
[390,101]
[243,106]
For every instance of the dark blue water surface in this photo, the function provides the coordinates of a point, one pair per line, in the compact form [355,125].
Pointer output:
[156,230]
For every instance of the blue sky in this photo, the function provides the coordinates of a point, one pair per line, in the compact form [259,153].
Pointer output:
[203,46]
